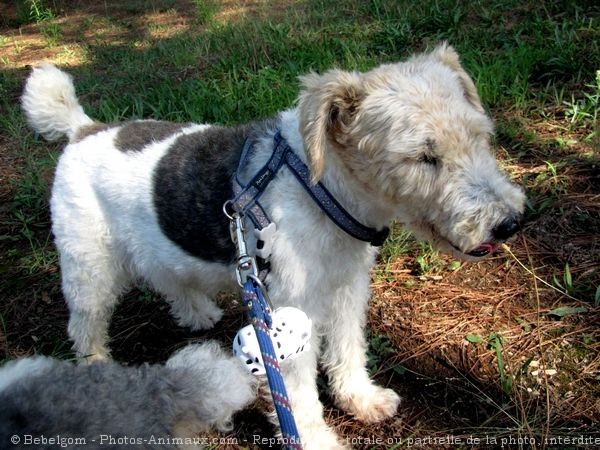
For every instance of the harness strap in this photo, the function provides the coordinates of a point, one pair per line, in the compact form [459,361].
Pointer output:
[247,197]
[246,200]
[330,206]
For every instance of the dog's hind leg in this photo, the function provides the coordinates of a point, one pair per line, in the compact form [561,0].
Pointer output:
[345,357]
[93,269]
[91,287]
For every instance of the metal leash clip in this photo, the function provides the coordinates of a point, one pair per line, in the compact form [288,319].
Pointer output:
[246,264]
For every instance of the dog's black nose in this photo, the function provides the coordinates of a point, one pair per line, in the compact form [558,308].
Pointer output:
[507,228]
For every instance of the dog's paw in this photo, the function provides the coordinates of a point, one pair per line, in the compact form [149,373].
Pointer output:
[95,358]
[370,405]
[92,355]
[204,320]
[321,437]
[201,315]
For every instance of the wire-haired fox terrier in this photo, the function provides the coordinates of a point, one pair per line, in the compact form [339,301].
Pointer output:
[142,201]
[104,405]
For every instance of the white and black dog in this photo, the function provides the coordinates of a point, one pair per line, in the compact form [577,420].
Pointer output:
[142,201]
[49,404]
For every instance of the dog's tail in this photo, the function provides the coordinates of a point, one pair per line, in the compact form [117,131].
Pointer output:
[219,385]
[50,103]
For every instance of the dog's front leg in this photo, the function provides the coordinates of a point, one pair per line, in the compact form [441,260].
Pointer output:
[345,357]
[301,383]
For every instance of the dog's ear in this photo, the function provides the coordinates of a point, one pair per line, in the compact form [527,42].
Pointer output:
[328,104]
[446,54]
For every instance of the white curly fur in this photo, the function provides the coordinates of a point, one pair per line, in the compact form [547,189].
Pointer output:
[51,105]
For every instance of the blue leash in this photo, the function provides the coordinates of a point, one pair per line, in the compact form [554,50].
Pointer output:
[255,299]
[259,313]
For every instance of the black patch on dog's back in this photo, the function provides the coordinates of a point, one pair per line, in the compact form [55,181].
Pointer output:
[135,136]
[91,129]
[191,184]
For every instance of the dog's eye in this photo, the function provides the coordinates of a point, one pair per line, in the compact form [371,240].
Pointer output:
[428,159]
[427,156]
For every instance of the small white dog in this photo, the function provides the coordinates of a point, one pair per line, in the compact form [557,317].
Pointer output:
[141,201]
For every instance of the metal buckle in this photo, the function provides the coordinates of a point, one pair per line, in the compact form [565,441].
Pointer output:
[246,264]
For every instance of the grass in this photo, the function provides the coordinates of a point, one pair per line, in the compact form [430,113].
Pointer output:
[460,342]
[583,112]
[45,18]
[28,219]
[205,10]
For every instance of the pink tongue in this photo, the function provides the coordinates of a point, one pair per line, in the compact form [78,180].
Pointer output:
[489,246]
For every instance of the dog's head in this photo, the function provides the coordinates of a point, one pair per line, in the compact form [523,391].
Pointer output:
[416,136]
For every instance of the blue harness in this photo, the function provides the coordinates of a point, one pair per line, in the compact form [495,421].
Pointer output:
[247,196]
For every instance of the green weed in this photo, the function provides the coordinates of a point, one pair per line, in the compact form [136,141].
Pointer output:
[379,351]
[46,20]
[547,188]
[17,47]
[555,183]
[495,342]
[146,295]
[474,338]
[428,261]
[583,112]
[61,349]
[38,12]
[564,311]
[399,243]
[205,10]
[567,281]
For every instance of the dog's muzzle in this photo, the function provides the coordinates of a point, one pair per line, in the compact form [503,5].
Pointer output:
[500,233]
[507,228]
